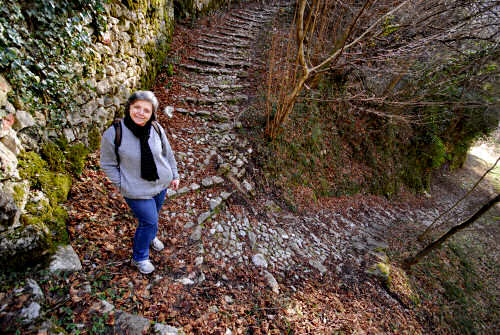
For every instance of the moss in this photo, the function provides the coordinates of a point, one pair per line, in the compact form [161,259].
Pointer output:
[54,156]
[94,137]
[56,186]
[41,244]
[19,194]
[76,156]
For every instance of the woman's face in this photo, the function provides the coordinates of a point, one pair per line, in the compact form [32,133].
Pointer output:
[141,111]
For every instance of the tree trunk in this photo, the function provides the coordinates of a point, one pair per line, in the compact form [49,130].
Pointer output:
[407,263]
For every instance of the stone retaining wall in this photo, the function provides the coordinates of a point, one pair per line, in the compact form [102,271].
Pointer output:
[122,56]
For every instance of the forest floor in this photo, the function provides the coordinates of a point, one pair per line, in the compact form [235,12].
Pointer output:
[314,272]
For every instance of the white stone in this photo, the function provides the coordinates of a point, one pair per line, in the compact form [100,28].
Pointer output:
[207,182]
[8,162]
[5,88]
[169,111]
[183,190]
[65,259]
[271,281]
[203,217]
[214,203]
[318,266]
[217,180]
[195,187]
[10,140]
[186,281]
[259,260]
[23,120]
[248,187]
[171,193]
[161,329]
[198,261]
[196,234]
[68,133]
[36,291]
[225,195]
[30,313]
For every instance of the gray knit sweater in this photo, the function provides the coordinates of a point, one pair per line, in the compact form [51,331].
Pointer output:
[127,176]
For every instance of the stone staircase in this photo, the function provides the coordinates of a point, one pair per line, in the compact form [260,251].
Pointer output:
[213,160]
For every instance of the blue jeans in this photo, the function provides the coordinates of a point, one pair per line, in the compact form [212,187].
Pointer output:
[146,211]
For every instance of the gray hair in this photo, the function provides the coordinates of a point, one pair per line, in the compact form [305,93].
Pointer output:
[143,95]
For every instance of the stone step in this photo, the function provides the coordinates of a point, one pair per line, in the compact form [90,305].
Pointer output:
[219,62]
[227,44]
[218,49]
[214,100]
[243,25]
[215,86]
[235,34]
[213,70]
[222,55]
[226,38]
[238,29]
[261,14]
[244,18]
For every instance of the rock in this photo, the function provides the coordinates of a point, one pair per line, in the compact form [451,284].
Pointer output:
[195,187]
[205,89]
[318,266]
[23,120]
[29,243]
[8,162]
[128,324]
[207,182]
[248,187]
[183,190]
[259,260]
[171,193]
[252,238]
[169,111]
[8,211]
[196,234]
[198,261]
[214,203]
[31,313]
[35,290]
[271,281]
[225,195]
[228,299]
[228,332]
[65,259]
[5,88]
[161,329]
[186,281]
[217,180]
[102,307]
[203,217]
[182,110]
[239,163]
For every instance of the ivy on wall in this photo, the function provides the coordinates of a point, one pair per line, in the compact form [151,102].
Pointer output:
[39,43]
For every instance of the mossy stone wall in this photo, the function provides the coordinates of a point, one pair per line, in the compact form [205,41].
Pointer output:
[80,62]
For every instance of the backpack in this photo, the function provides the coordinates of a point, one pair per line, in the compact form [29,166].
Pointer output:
[117,124]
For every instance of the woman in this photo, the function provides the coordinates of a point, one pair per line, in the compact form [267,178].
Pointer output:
[143,170]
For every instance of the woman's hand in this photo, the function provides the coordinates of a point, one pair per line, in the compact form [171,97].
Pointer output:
[174,184]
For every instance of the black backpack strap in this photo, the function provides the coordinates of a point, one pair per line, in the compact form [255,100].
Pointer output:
[118,137]
[157,126]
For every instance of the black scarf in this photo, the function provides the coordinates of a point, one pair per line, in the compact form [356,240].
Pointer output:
[148,166]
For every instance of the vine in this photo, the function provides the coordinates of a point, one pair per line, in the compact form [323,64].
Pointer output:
[41,45]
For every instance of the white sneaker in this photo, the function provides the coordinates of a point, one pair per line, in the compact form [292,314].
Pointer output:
[144,266]
[157,245]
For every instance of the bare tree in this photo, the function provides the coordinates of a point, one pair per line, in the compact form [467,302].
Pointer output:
[394,46]
[407,263]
